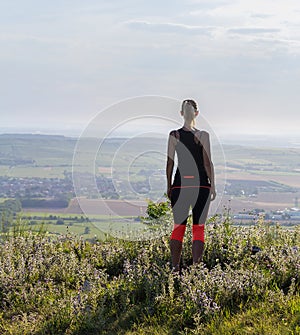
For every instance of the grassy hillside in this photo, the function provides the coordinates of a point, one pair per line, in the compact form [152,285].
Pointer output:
[35,155]
[65,285]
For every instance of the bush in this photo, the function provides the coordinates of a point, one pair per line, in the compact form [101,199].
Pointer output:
[156,210]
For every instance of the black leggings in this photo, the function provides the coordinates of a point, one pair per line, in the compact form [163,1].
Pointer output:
[182,198]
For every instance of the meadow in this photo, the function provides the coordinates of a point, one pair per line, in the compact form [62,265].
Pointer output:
[248,283]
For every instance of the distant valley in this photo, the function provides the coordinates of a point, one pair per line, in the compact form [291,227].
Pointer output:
[44,167]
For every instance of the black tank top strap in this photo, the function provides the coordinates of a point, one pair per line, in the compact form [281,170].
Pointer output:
[197,136]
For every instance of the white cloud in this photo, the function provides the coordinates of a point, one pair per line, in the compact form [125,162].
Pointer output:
[169,27]
[253,30]
[268,14]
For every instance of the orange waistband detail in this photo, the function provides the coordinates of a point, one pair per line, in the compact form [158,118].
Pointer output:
[189,177]
[191,186]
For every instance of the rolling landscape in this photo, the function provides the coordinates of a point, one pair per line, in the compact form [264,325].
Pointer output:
[85,241]
[117,177]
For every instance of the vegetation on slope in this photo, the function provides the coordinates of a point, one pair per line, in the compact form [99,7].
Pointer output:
[247,284]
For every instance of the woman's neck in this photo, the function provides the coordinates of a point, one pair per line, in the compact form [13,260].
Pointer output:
[188,125]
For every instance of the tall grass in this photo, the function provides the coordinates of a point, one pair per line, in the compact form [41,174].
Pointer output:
[248,283]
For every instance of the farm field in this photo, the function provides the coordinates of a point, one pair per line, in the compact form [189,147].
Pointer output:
[92,227]
[100,226]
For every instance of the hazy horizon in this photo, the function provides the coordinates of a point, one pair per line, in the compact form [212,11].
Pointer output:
[275,140]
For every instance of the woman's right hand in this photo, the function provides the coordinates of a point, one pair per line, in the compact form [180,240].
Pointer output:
[169,192]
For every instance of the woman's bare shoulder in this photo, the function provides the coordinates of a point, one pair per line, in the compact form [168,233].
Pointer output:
[201,135]
[174,133]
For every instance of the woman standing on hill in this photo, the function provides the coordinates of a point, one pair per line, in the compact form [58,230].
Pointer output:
[193,184]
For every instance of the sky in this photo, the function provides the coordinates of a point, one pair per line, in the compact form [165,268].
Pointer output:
[62,62]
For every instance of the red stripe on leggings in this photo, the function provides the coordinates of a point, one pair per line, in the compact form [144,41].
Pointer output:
[198,232]
[178,232]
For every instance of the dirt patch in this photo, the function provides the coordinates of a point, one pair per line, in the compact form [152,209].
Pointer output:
[98,207]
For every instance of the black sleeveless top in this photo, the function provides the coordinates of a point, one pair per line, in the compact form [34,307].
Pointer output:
[190,169]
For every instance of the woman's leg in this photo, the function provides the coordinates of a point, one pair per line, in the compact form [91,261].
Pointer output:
[176,249]
[197,251]
[180,209]
[200,212]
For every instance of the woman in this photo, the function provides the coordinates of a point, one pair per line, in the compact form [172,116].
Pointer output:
[193,184]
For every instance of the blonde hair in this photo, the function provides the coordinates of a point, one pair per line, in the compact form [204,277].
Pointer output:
[189,108]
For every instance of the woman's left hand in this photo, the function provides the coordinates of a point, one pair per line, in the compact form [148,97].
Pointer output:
[213,193]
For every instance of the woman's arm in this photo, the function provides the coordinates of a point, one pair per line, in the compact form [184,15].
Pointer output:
[170,162]
[208,164]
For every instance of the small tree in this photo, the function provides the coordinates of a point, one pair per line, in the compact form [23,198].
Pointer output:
[87,230]
[60,222]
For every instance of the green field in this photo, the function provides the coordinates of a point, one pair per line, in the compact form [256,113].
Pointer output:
[35,221]
[269,158]
[97,227]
